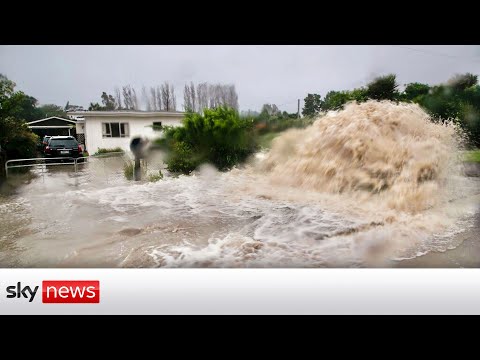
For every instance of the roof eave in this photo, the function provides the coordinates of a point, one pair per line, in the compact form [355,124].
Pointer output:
[88,114]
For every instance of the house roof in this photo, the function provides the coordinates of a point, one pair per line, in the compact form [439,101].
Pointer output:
[51,117]
[127,113]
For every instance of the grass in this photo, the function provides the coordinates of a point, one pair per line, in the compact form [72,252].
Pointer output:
[128,168]
[265,140]
[472,156]
[155,177]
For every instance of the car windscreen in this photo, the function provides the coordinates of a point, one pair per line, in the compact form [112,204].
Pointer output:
[63,143]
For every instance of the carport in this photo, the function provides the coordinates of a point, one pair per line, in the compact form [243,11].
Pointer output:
[53,126]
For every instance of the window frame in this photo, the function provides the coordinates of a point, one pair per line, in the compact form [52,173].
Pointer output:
[106,130]
[108,133]
[157,127]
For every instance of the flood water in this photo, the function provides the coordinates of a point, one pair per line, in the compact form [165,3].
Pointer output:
[383,192]
[63,219]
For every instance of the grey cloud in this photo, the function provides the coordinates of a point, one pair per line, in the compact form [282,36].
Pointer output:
[274,74]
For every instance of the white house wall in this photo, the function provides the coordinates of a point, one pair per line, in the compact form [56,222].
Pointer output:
[80,127]
[137,126]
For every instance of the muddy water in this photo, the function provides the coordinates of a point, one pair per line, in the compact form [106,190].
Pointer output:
[210,219]
[374,185]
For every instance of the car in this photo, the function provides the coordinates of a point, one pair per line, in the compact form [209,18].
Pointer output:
[63,146]
[44,142]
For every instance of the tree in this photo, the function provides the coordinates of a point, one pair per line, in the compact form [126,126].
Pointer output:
[188,98]
[153,99]
[95,107]
[232,97]
[193,96]
[118,98]
[16,139]
[202,96]
[334,100]
[269,111]
[383,88]
[134,100]
[209,96]
[146,99]
[49,110]
[108,102]
[459,100]
[158,96]
[359,95]
[7,87]
[460,82]
[69,107]
[168,97]
[313,105]
[415,90]
[130,100]
[21,106]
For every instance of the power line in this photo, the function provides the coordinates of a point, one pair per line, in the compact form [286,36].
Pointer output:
[437,53]
[291,102]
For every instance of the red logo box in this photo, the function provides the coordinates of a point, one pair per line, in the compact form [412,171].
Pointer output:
[71,291]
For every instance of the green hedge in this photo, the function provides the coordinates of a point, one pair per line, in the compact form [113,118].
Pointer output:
[219,137]
[101,151]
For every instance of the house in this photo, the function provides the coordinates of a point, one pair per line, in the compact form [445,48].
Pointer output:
[111,129]
[54,126]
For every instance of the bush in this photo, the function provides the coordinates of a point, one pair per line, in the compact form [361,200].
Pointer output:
[219,137]
[128,168]
[17,141]
[155,177]
[101,151]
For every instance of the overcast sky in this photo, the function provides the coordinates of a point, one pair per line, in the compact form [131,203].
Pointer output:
[261,74]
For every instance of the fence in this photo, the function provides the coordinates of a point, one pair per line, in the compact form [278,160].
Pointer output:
[109,167]
[40,163]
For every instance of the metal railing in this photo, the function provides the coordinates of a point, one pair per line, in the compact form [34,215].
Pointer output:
[97,162]
[47,161]
[41,162]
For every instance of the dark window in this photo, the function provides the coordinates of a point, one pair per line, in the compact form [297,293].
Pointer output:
[122,128]
[115,130]
[63,143]
[157,126]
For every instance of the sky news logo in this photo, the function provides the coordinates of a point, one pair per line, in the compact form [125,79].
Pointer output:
[59,292]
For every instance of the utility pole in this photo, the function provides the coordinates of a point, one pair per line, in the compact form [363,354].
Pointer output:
[298,111]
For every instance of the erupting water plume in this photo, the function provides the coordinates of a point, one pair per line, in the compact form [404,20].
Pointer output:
[365,186]
[393,151]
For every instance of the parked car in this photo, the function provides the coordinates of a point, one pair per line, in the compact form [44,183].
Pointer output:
[62,146]
[44,142]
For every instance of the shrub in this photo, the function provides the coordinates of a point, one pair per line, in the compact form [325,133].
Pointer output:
[17,141]
[101,151]
[128,168]
[219,137]
[155,177]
